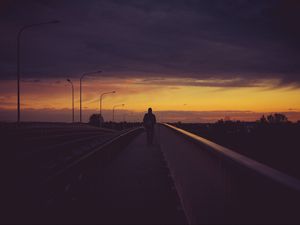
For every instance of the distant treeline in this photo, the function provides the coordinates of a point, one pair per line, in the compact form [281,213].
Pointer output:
[97,120]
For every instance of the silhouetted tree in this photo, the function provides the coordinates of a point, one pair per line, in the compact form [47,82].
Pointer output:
[263,120]
[220,122]
[277,118]
[270,118]
[96,119]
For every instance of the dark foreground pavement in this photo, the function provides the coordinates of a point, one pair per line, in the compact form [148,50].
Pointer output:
[135,188]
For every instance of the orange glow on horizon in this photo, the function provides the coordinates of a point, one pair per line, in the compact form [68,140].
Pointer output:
[139,95]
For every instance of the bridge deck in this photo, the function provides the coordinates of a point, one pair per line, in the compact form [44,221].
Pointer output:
[135,187]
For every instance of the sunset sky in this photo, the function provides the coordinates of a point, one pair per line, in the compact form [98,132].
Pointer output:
[192,61]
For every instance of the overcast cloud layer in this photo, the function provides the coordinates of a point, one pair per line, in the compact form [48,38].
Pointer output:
[216,39]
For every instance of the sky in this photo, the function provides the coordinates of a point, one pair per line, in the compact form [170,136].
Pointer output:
[190,60]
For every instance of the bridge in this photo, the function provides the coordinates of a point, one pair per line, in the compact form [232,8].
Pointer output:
[181,179]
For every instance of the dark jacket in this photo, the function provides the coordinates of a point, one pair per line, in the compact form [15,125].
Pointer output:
[149,121]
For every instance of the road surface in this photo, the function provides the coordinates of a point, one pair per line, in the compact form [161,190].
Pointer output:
[175,181]
[135,188]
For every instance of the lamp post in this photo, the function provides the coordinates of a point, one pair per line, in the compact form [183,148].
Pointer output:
[115,106]
[101,96]
[83,75]
[19,60]
[72,98]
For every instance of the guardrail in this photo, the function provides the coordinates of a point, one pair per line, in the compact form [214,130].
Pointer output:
[243,161]
[250,191]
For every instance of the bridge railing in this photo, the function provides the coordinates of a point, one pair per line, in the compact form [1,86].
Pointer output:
[249,191]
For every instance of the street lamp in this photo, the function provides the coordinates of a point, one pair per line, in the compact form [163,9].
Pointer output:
[19,60]
[101,96]
[72,98]
[83,75]
[115,106]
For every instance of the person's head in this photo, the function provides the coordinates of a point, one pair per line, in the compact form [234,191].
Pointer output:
[150,110]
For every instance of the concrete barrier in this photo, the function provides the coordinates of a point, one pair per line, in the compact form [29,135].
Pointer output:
[218,185]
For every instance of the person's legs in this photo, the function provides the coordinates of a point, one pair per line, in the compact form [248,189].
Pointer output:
[150,136]
[148,133]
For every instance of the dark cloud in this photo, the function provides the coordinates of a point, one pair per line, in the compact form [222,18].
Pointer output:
[31,81]
[244,40]
[213,83]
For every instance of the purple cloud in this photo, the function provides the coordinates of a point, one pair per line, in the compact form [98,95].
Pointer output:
[241,40]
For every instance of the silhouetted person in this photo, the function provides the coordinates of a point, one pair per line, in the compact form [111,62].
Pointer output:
[149,122]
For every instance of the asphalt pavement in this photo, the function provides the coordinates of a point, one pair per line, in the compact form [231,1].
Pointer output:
[135,188]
